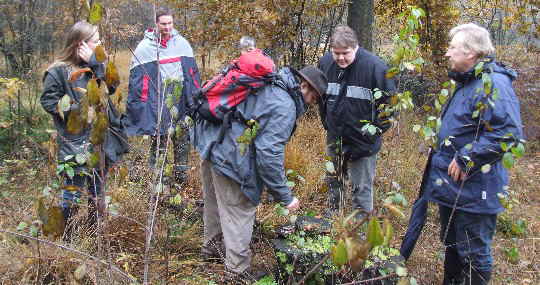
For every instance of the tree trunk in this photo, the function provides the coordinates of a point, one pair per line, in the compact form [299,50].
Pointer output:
[360,18]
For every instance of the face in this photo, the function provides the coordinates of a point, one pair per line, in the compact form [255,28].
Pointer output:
[94,41]
[344,56]
[309,93]
[460,59]
[165,25]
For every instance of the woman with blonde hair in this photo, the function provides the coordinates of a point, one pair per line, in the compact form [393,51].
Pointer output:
[78,54]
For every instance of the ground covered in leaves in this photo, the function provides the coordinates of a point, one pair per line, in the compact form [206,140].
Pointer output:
[174,257]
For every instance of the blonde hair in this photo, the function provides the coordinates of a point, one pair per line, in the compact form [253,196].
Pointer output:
[343,37]
[474,38]
[81,31]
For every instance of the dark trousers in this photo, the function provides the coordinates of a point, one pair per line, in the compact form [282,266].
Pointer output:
[71,198]
[467,238]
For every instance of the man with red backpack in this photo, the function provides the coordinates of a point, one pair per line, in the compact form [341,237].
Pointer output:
[241,158]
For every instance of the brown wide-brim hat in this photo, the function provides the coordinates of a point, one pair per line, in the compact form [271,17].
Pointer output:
[315,77]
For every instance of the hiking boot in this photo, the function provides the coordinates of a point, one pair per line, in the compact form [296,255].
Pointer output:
[212,256]
[214,251]
[248,276]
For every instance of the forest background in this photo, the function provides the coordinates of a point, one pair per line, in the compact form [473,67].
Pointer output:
[293,32]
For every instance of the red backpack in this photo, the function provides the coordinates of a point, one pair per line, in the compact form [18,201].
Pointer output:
[243,76]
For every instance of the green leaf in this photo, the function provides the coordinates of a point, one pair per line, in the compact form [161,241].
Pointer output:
[280,210]
[80,272]
[96,13]
[518,150]
[478,68]
[401,271]
[339,254]
[508,160]
[374,235]
[392,72]
[46,191]
[372,130]
[486,79]
[504,147]
[112,78]
[378,94]
[34,231]
[64,105]
[22,226]
[486,168]
[512,254]
[159,188]
[388,232]
[519,228]
[81,158]
[447,142]
[330,167]
[69,171]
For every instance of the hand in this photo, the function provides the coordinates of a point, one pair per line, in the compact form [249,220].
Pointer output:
[84,52]
[294,205]
[455,172]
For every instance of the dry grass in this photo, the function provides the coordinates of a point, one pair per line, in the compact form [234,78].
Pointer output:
[179,231]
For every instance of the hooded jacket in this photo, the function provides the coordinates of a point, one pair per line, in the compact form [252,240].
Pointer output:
[349,103]
[275,107]
[467,134]
[174,62]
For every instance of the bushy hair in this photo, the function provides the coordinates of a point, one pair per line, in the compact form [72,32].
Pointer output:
[474,38]
[343,37]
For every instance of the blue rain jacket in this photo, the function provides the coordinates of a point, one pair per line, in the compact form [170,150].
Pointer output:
[468,135]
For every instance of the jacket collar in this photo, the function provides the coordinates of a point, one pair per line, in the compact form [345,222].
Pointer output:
[471,74]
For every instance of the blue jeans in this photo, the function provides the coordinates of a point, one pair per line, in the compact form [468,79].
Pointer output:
[468,241]
[70,199]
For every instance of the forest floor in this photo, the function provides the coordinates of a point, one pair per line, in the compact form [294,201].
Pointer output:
[175,255]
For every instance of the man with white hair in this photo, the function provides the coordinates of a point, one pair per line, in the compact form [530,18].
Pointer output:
[465,173]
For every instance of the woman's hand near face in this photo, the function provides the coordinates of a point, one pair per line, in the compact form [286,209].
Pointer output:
[85,52]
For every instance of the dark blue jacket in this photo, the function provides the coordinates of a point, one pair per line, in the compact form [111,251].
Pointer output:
[475,137]
[349,101]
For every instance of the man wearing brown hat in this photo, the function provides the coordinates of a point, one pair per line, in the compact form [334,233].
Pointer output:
[234,175]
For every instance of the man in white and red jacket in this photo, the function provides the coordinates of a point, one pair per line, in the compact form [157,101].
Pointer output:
[163,75]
